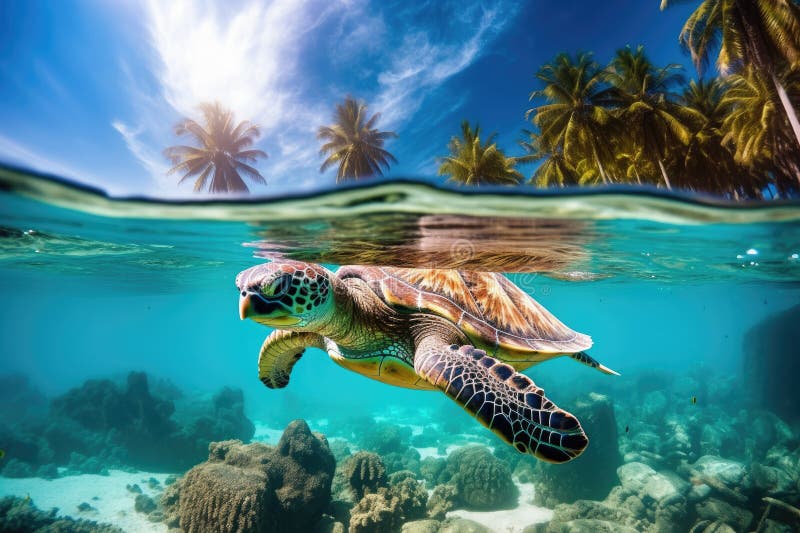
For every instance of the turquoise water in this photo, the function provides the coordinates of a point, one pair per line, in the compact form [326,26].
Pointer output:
[669,290]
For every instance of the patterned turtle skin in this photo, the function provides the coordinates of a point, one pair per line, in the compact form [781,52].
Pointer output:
[466,333]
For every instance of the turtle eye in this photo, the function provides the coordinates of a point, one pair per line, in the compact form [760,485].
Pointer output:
[278,286]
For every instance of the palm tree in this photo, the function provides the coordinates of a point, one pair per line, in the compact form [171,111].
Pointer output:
[474,163]
[707,163]
[222,155]
[631,162]
[554,167]
[763,33]
[354,144]
[642,95]
[572,120]
[756,127]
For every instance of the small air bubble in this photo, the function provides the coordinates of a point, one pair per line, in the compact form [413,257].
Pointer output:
[752,251]
[739,256]
[794,256]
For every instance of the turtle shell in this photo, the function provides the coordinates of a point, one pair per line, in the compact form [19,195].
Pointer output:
[483,304]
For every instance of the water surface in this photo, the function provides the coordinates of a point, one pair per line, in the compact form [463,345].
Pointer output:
[94,287]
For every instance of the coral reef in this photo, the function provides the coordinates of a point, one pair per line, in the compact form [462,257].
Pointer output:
[384,438]
[305,465]
[170,504]
[667,453]
[630,507]
[387,509]
[770,374]
[329,524]
[255,487]
[340,449]
[444,498]
[100,405]
[427,439]
[434,471]
[462,525]
[230,494]
[16,468]
[102,425]
[24,450]
[144,504]
[698,455]
[225,420]
[84,507]
[411,495]
[20,399]
[365,474]
[389,441]
[375,513]
[408,459]
[20,514]
[451,525]
[483,481]
[592,475]
[421,526]
[715,494]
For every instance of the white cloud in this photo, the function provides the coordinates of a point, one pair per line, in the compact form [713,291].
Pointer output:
[361,32]
[246,59]
[420,65]
[249,59]
[152,160]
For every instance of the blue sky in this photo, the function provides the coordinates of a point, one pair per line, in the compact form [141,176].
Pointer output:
[91,89]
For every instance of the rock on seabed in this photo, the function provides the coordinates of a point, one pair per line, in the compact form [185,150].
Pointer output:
[256,488]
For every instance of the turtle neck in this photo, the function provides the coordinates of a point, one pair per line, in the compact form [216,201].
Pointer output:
[359,321]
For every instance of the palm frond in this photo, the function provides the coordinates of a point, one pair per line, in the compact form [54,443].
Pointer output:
[221,156]
[354,144]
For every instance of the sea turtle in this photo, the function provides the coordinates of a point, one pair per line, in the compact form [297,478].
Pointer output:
[468,334]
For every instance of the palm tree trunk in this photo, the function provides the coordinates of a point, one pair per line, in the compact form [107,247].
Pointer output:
[787,106]
[600,166]
[664,174]
[602,172]
[749,18]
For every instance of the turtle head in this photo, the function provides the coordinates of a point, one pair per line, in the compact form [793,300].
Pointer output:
[286,294]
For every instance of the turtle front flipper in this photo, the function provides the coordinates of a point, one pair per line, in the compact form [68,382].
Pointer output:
[503,400]
[279,353]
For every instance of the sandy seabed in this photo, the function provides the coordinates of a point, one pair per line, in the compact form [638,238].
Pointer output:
[114,503]
[510,520]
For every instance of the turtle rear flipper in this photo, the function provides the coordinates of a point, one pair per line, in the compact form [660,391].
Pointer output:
[279,353]
[503,400]
[591,362]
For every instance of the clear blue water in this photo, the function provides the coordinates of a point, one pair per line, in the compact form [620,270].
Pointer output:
[665,288]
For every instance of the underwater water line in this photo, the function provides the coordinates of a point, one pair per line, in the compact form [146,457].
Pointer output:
[692,301]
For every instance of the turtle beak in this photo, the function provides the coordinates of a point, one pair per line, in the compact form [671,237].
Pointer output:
[245,309]
[253,306]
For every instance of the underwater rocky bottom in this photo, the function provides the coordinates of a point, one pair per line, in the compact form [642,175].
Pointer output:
[700,451]
[653,465]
